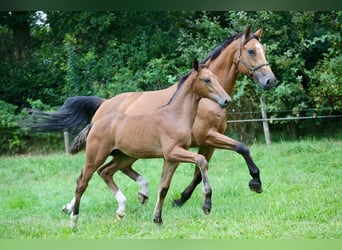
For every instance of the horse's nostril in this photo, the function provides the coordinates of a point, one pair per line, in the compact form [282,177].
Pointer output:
[270,82]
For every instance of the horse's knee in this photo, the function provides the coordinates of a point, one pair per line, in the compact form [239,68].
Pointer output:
[202,162]
[241,148]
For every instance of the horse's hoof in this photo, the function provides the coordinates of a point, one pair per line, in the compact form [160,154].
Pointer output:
[206,210]
[158,221]
[142,198]
[255,185]
[177,203]
[66,210]
[120,216]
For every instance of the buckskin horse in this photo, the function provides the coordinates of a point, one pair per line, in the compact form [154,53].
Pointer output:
[241,53]
[164,132]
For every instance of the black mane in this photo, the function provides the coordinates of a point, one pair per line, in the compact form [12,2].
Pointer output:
[211,56]
[181,80]
[221,47]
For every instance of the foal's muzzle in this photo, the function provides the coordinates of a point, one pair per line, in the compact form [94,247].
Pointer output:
[225,102]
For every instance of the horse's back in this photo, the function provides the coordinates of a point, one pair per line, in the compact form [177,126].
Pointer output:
[135,103]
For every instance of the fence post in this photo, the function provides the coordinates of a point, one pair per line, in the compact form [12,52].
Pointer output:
[264,122]
[66,140]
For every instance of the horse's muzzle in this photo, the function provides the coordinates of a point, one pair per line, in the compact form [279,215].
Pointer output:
[269,83]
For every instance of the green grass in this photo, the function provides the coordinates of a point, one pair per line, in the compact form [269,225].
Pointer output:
[302,198]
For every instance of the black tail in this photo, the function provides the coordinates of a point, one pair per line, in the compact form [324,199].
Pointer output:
[75,112]
[80,140]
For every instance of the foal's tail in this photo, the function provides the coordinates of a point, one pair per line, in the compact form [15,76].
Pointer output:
[80,140]
[75,112]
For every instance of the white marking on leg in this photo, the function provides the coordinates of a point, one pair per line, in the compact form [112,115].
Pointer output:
[74,219]
[70,206]
[143,183]
[121,199]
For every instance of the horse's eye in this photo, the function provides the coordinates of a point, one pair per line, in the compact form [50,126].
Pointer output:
[251,52]
[206,80]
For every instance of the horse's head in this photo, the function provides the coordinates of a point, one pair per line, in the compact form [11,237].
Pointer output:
[251,59]
[207,85]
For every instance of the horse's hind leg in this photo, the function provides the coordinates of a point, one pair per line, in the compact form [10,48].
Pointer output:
[141,181]
[207,152]
[107,172]
[82,183]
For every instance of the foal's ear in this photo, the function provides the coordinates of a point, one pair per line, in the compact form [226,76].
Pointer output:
[258,33]
[196,64]
[248,32]
[206,65]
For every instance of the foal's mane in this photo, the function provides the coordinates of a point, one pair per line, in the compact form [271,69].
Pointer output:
[181,81]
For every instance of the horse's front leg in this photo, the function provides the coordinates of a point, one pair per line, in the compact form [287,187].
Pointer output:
[181,155]
[168,170]
[207,152]
[218,140]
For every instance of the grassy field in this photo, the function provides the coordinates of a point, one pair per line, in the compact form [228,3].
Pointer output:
[302,198]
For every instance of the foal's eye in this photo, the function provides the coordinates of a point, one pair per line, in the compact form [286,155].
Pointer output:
[206,80]
[251,52]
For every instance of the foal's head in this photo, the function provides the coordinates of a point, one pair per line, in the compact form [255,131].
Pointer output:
[208,86]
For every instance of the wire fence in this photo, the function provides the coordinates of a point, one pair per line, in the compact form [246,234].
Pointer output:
[284,118]
[265,120]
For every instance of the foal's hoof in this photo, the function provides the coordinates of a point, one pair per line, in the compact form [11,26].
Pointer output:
[255,185]
[120,216]
[66,210]
[142,198]
[158,221]
[206,210]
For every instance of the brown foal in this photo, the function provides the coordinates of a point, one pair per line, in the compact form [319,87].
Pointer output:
[164,132]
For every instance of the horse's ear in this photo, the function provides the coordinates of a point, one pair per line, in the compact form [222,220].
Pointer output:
[258,33]
[196,64]
[248,32]
[206,65]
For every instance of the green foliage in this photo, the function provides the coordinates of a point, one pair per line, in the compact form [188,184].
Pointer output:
[106,53]
[326,83]
[10,136]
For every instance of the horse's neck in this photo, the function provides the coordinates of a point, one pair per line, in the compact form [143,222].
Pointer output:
[184,107]
[225,69]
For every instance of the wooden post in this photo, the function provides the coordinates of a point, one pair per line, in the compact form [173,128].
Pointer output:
[66,141]
[264,122]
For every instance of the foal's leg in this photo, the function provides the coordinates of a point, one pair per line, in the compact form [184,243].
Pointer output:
[107,172]
[207,152]
[82,183]
[167,173]
[141,181]
[96,155]
[181,155]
